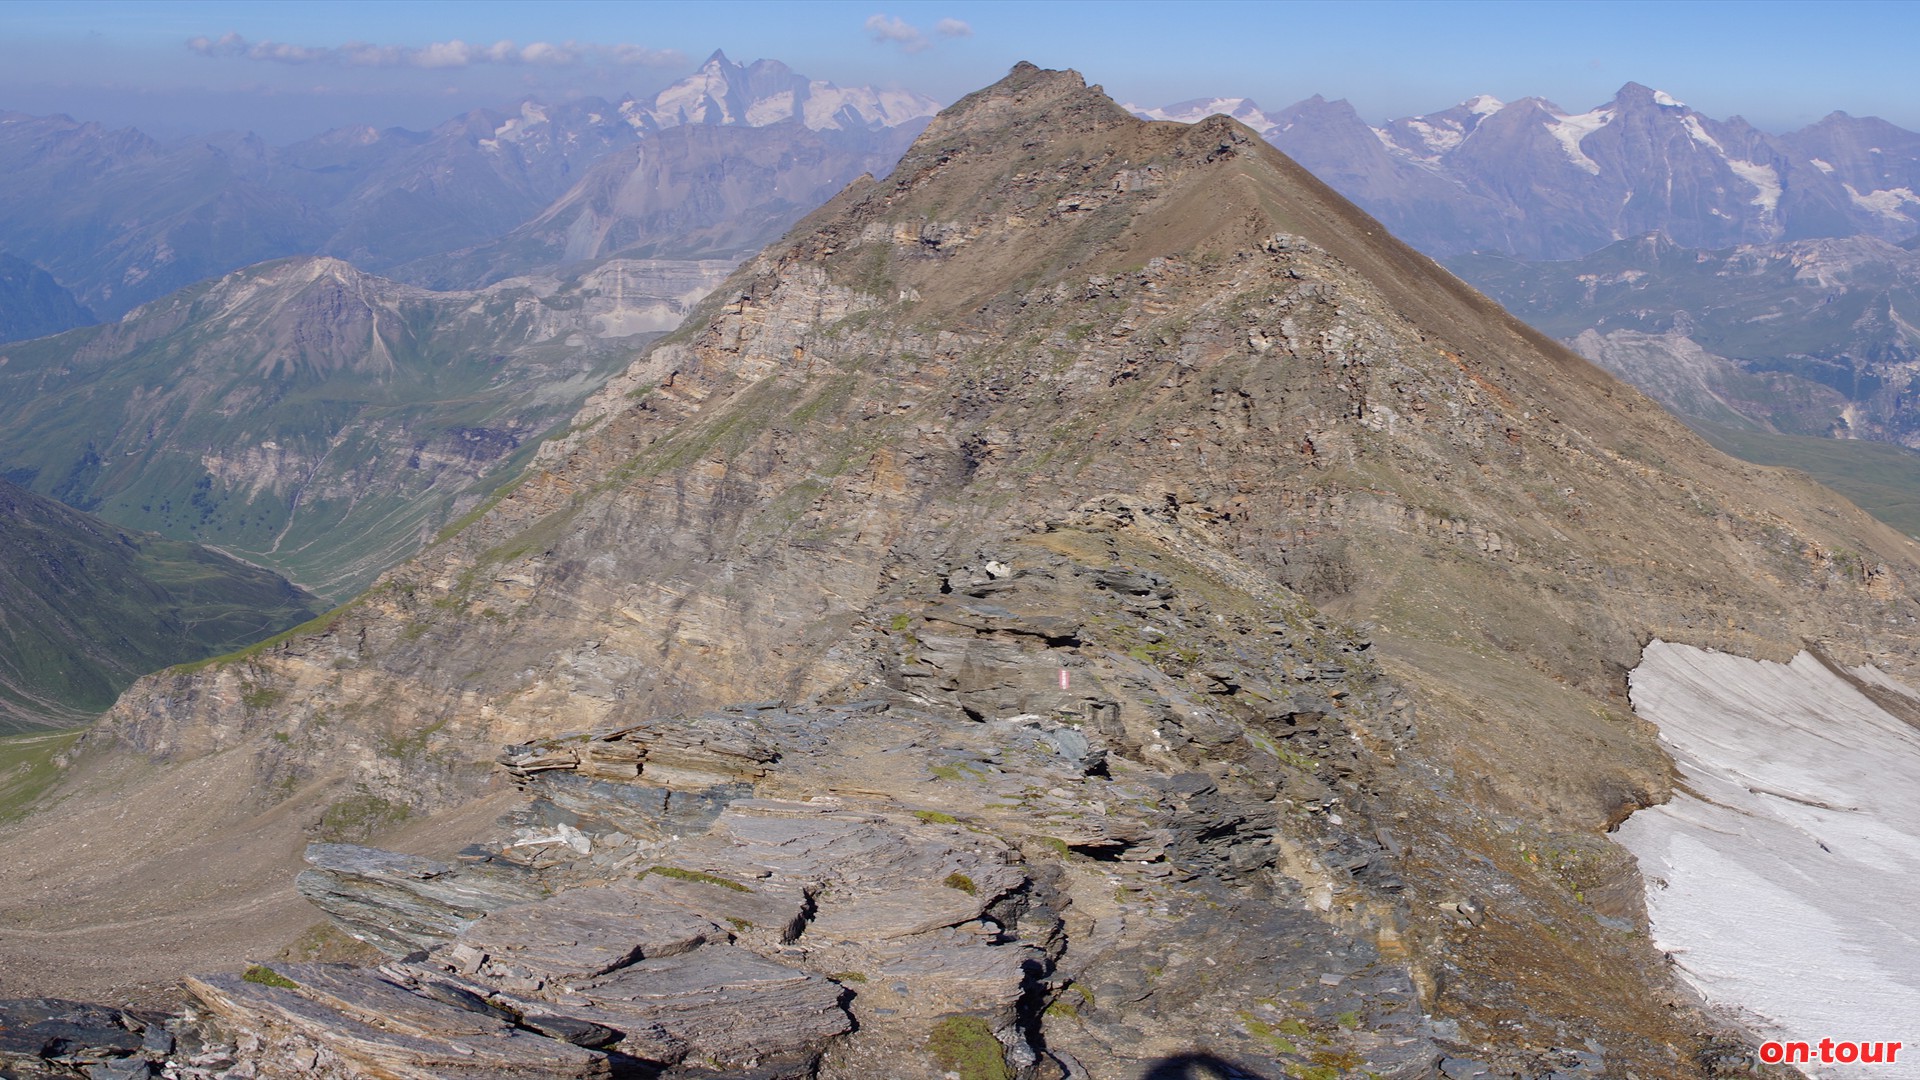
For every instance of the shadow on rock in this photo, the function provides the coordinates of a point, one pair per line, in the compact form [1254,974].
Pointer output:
[1198,1067]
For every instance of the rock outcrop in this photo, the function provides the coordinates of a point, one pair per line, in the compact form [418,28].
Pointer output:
[821,887]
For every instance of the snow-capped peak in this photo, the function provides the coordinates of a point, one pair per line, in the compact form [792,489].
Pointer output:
[1188,112]
[1484,104]
[768,92]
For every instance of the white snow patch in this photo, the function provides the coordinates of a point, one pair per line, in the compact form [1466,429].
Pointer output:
[828,106]
[770,110]
[1572,130]
[1887,203]
[1484,105]
[1784,889]
[1764,180]
[1821,165]
[1439,139]
[1661,97]
[514,128]
[1394,147]
[1699,134]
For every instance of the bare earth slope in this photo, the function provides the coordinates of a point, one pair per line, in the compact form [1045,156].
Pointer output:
[1072,394]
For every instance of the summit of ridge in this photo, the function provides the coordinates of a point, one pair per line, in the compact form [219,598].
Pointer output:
[1058,100]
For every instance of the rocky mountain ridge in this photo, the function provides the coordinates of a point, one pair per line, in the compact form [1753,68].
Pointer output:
[1085,480]
[1752,281]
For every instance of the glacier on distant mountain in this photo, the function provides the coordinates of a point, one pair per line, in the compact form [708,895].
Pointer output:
[1571,131]
[1479,176]
[768,92]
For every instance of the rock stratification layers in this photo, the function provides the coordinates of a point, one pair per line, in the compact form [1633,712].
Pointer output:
[1259,595]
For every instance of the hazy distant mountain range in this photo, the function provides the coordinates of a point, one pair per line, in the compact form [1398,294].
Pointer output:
[119,218]
[1531,179]
[32,303]
[1810,337]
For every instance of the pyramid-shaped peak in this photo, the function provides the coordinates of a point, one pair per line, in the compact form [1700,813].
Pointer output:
[1638,94]
[769,66]
[1031,95]
[1336,107]
[718,59]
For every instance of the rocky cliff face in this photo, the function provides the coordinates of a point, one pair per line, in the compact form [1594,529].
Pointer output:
[1258,595]
[32,304]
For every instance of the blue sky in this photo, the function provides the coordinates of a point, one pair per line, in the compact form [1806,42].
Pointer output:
[286,73]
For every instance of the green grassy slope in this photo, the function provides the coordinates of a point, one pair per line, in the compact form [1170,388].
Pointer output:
[85,608]
[299,414]
[1882,479]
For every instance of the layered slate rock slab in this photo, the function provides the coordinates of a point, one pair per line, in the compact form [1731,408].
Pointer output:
[854,850]
[638,808]
[895,913]
[336,1021]
[720,1002]
[400,903]
[932,975]
[718,894]
[51,1035]
[586,932]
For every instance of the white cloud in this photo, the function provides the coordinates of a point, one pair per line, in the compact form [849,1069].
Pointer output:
[954,28]
[892,30]
[437,55]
